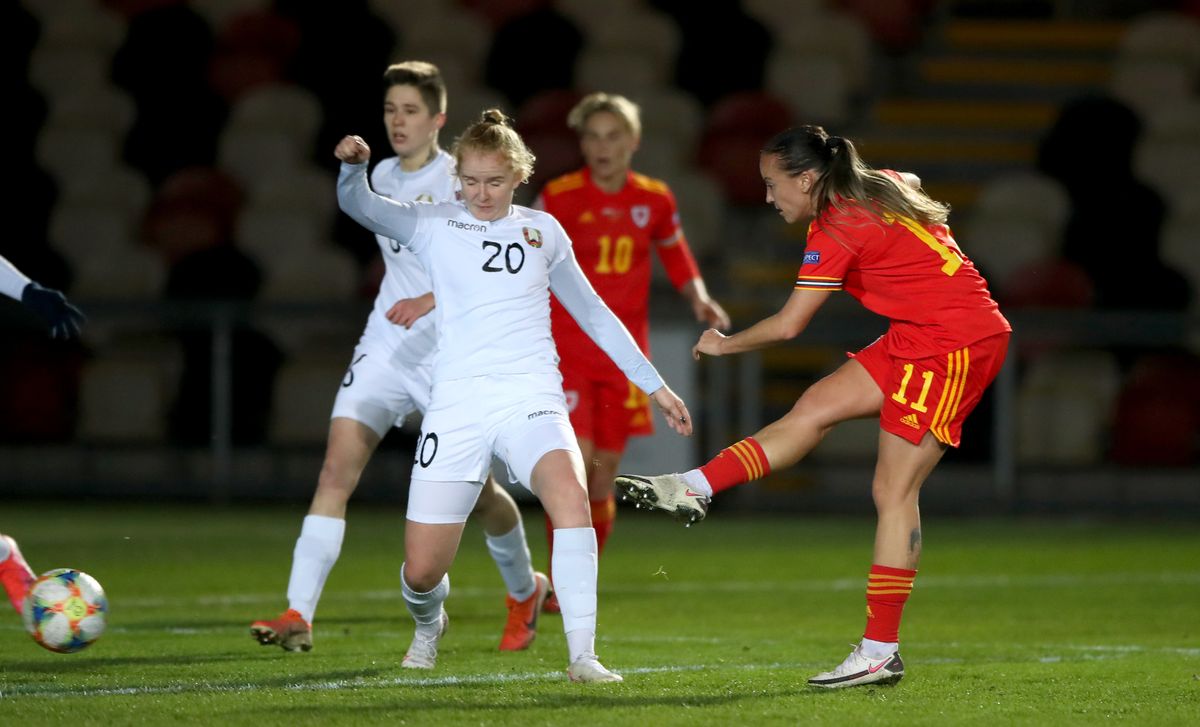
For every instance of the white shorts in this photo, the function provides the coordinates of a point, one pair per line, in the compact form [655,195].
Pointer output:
[380,392]
[516,417]
[441,503]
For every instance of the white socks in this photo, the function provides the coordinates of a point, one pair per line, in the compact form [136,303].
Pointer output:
[316,551]
[426,608]
[696,480]
[511,554]
[575,573]
[878,649]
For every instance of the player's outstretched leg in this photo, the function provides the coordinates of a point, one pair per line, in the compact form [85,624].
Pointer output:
[15,574]
[665,492]
[859,669]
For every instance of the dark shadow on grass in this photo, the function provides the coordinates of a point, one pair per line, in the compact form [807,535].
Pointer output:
[579,696]
[202,686]
[67,664]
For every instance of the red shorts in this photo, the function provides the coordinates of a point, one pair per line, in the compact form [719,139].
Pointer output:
[606,409]
[932,394]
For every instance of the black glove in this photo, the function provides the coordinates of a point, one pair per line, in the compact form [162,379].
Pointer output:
[64,318]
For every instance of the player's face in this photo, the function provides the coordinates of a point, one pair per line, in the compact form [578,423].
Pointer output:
[412,130]
[488,182]
[790,195]
[608,145]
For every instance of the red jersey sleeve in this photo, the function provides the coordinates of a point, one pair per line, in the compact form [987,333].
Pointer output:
[671,245]
[825,264]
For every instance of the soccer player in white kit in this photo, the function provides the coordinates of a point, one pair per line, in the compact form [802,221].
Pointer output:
[64,321]
[496,385]
[389,378]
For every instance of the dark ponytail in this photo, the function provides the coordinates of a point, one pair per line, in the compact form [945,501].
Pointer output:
[843,177]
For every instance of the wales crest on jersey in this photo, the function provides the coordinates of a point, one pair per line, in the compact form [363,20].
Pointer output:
[640,214]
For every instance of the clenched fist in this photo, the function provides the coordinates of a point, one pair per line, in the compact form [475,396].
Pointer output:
[352,150]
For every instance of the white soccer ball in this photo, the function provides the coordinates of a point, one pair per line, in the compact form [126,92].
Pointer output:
[65,610]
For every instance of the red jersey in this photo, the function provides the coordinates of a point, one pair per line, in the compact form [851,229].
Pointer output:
[612,235]
[913,274]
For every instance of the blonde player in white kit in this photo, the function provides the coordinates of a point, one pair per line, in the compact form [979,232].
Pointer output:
[496,385]
[389,378]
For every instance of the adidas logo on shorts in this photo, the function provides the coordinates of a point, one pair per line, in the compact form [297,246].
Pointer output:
[910,420]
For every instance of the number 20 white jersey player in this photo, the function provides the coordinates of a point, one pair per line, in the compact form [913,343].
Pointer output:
[493,280]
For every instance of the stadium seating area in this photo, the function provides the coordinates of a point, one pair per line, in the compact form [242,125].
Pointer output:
[177,151]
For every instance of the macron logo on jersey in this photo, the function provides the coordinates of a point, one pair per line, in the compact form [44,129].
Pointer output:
[812,257]
[466,226]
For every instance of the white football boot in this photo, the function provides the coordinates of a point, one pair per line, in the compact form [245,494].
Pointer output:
[588,668]
[422,653]
[859,669]
[665,492]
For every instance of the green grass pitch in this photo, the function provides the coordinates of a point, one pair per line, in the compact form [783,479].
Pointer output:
[1011,622]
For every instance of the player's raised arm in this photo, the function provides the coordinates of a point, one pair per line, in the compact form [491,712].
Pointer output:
[374,212]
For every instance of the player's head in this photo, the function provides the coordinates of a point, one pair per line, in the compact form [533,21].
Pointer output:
[610,129]
[414,109]
[806,171]
[492,160]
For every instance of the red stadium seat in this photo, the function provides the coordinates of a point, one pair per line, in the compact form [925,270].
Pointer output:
[1158,413]
[1048,283]
[736,128]
[254,49]
[546,112]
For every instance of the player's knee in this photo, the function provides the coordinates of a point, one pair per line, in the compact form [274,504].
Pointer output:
[337,477]
[422,577]
[891,493]
[808,415]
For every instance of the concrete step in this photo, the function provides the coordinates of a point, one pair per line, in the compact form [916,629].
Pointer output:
[965,114]
[1030,35]
[1017,72]
[961,151]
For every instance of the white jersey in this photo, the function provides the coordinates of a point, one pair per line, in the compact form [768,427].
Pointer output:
[404,276]
[492,281]
[12,281]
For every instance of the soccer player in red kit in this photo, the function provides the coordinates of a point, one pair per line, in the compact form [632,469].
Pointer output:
[614,217]
[875,235]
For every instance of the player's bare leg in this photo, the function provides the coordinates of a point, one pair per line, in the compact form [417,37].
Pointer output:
[558,481]
[429,551]
[847,393]
[527,589]
[600,466]
[347,451]
[899,473]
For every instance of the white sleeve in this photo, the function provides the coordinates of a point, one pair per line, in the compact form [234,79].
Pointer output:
[397,220]
[12,281]
[573,290]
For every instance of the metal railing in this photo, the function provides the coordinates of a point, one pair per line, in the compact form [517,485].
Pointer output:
[733,387]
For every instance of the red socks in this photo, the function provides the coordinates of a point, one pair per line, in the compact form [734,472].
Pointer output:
[887,591]
[736,464]
[604,513]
